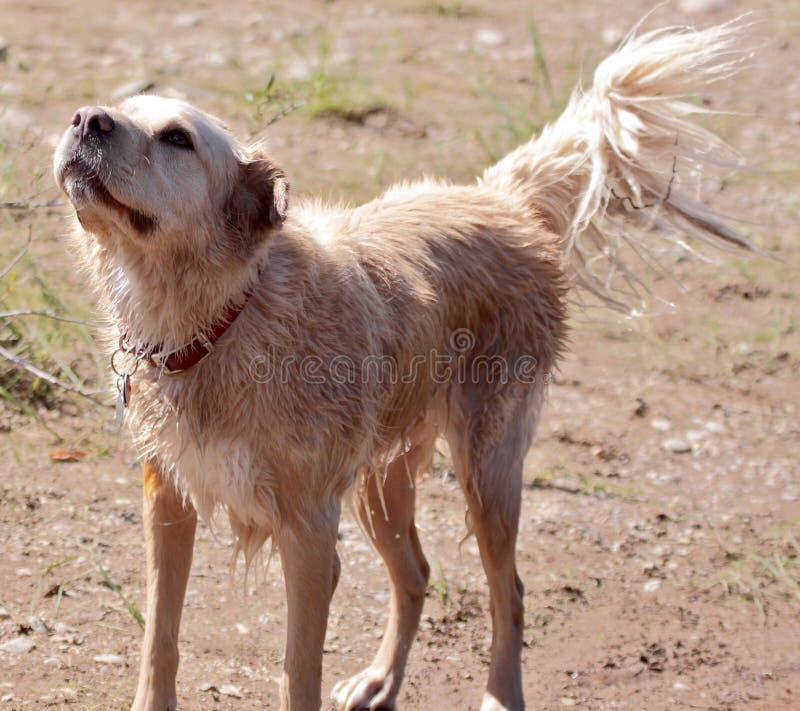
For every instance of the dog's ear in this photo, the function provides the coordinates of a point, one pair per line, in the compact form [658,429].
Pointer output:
[260,197]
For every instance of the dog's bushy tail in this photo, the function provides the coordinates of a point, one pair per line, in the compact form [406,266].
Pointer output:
[613,168]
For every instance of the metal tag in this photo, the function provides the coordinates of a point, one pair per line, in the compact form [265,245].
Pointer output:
[123,397]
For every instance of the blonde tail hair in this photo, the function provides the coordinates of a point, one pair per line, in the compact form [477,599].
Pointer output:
[615,158]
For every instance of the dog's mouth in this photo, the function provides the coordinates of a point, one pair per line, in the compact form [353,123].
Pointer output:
[84,187]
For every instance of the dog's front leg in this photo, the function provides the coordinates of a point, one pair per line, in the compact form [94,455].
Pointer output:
[169,526]
[311,570]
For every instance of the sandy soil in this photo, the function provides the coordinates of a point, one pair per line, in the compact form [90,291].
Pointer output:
[654,578]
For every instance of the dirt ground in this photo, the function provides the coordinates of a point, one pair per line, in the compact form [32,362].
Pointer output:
[660,531]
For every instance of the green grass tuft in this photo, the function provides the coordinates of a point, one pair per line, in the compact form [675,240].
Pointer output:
[761,566]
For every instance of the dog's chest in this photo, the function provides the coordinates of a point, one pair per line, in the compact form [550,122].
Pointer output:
[226,473]
[214,469]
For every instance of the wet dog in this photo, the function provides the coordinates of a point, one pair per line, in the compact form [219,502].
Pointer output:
[275,359]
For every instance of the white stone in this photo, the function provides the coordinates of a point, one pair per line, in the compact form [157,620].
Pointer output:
[18,645]
[186,19]
[230,690]
[715,427]
[698,6]
[612,35]
[215,59]
[115,659]
[677,446]
[660,424]
[652,585]
[489,37]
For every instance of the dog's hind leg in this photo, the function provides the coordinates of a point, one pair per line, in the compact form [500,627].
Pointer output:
[169,526]
[306,541]
[488,442]
[394,535]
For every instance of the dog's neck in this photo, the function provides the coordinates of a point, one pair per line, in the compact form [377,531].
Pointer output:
[167,301]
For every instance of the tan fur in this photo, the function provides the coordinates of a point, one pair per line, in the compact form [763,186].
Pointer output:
[329,381]
[153,479]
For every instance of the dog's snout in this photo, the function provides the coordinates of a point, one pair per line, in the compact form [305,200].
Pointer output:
[98,121]
[91,121]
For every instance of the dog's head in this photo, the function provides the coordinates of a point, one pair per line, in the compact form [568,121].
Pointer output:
[159,173]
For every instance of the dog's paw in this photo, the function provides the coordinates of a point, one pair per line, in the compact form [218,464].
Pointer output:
[491,703]
[149,700]
[369,690]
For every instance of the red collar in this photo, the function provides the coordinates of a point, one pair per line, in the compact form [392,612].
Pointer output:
[174,362]
[200,347]
[190,355]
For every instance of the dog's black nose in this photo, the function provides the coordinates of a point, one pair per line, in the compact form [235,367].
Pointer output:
[91,121]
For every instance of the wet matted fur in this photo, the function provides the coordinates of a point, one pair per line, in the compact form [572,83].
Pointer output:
[362,334]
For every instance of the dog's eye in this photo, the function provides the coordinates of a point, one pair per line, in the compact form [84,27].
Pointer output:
[177,137]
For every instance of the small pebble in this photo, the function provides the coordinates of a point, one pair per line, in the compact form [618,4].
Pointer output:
[115,659]
[61,628]
[612,35]
[215,59]
[641,408]
[186,19]
[19,645]
[230,690]
[677,446]
[660,424]
[652,585]
[489,37]
[38,625]
[697,6]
